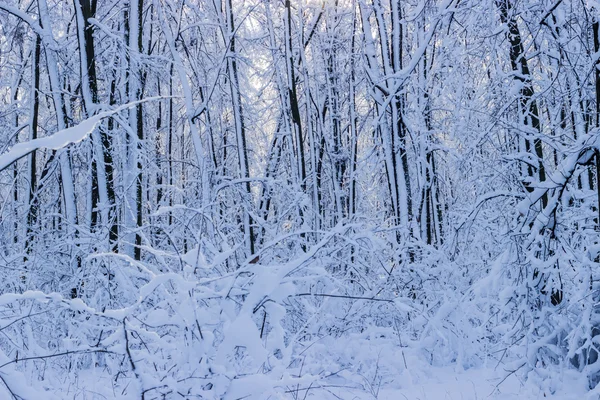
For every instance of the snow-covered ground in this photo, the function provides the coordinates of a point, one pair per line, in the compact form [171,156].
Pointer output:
[476,384]
[418,383]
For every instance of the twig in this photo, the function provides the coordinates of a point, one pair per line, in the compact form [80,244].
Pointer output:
[339,296]
[66,353]
[22,318]
[133,368]
[506,377]
[9,389]
[550,11]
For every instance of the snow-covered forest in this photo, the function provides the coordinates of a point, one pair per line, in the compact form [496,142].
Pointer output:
[299,199]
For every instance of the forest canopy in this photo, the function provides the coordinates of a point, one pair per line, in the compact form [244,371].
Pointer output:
[227,199]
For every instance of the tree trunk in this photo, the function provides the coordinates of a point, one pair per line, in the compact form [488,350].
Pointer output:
[528,104]
[33,207]
[240,126]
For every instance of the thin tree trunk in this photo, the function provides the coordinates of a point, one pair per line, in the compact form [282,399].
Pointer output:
[596,29]
[33,208]
[140,137]
[67,184]
[353,126]
[293,97]
[134,211]
[528,104]
[240,126]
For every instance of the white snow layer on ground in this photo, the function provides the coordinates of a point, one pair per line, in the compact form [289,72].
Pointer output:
[421,382]
[436,383]
[477,384]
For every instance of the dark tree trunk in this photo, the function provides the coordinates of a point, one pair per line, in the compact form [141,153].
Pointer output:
[527,102]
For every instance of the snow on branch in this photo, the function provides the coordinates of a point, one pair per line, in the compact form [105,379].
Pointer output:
[63,137]
[580,153]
